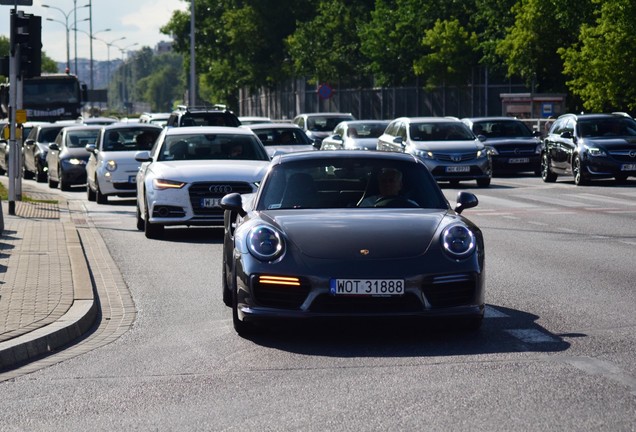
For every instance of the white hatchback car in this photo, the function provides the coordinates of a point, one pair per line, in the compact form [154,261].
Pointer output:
[183,178]
[111,168]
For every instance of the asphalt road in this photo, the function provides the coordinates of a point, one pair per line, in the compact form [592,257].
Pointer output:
[556,351]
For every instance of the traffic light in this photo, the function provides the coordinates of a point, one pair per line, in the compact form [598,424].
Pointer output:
[26,31]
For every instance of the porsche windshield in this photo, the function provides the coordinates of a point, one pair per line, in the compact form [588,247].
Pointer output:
[347,183]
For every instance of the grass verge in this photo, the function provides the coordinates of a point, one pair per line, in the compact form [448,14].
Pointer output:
[4,195]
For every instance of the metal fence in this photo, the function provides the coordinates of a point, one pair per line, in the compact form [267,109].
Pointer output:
[284,102]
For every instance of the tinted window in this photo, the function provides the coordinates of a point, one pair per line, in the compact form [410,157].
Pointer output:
[439,131]
[80,138]
[502,129]
[343,183]
[282,136]
[211,147]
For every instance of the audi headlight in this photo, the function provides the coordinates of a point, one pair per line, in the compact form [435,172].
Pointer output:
[161,184]
[111,165]
[265,243]
[595,151]
[458,241]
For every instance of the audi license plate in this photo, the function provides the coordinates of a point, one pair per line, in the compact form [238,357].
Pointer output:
[367,287]
[210,202]
[518,160]
[457,169]
[628,167]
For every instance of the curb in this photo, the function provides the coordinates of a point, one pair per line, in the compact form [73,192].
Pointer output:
[77,321]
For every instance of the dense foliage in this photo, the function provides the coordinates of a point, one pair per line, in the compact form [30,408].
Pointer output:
[584,47]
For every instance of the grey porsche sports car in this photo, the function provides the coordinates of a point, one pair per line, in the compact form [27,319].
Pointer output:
[350,234]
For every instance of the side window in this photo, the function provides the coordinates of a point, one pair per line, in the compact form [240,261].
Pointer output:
[340,130]
[558,126]
[392,129]
[402,131]
[569,126]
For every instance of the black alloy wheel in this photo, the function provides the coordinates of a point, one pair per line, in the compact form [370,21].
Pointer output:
[580,178]
[546,174]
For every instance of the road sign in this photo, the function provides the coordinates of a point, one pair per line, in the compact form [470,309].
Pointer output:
[325,91]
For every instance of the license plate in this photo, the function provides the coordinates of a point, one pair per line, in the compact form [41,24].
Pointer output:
[367,287]
[210,202]
[628,167]
[457,169]
[518,160]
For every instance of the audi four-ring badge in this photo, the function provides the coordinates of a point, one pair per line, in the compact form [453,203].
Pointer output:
[326,237]
[189,169]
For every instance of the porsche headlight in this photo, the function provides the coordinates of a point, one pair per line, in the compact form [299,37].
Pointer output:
[458,241]
[111,165]
[265,243]
[161,184]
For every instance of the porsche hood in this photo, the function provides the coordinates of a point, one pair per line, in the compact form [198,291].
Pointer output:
[358,233]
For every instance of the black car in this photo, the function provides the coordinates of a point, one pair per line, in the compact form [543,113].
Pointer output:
[307,246]
[217,115]
[36,147]
[588,146]
[67,156]
[513,146]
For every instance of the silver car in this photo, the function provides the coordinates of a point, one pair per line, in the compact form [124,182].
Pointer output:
[112,169]
[448,148]
[281,138]
[355,135]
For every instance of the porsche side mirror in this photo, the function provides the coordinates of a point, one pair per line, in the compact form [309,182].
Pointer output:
[465,200]
[233,202]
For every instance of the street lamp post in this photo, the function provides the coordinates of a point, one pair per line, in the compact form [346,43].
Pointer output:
[91,36]
[108,45]
[124,96]
[68,43]
[66,18]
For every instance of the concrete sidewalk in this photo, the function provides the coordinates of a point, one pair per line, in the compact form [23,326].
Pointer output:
[46,292]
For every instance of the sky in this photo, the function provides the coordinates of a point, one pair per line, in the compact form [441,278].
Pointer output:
[138,21]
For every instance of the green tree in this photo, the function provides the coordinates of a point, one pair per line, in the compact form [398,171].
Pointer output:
[238,43]
[165,86]
[391,39]
[490,20]
[601,65]
[48,65]
[530,47]
[451,54]
[327,48]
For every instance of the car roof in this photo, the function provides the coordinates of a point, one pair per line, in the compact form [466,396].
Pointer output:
[132,126]
[341,154]
[189,130]
[324,114]
[81,127]
[272,126]
[593,115]
[493,118]
[429,119]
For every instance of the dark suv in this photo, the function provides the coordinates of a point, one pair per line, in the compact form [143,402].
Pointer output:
[216,115]
[590,146]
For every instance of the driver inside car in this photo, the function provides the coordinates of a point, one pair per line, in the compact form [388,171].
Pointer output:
[389,187]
